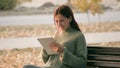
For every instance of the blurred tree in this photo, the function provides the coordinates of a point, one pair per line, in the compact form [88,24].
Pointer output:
[82,5]
[7,4]
[22,1]
[96,8]
[10,4]
[93,6]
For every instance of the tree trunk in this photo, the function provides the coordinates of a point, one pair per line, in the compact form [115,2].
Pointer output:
[88,16]
[99,18]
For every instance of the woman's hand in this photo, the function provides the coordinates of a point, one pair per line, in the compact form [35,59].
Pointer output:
[56,47]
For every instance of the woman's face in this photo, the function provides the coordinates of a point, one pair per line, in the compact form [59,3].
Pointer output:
[61,22]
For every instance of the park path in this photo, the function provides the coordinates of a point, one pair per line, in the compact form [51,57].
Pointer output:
[11,43]
[108,16]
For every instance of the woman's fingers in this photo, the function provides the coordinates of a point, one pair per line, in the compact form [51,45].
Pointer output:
[56,47]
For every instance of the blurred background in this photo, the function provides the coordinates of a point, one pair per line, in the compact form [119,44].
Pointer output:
[23,21]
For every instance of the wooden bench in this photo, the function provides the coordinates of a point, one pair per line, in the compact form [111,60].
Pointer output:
[103,57]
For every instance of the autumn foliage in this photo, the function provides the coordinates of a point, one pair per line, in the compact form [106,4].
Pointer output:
[93,6]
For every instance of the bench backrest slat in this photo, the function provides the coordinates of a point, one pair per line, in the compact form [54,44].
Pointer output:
[104,64]
[106,57]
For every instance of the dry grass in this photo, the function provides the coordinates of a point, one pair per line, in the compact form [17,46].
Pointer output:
[26,31]
[16,58]
[100,27]
[48,30]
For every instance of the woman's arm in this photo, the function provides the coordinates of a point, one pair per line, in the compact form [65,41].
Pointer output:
[79,59]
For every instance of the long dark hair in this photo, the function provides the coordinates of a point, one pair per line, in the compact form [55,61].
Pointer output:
[67,12]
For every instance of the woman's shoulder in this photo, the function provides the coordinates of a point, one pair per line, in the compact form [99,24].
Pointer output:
[78,34]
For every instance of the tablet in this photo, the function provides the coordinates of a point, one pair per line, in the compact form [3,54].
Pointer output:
[45,44]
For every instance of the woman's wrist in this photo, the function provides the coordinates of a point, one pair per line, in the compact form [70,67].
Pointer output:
[61,50]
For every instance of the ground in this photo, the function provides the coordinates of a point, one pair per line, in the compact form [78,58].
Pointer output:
[16,58]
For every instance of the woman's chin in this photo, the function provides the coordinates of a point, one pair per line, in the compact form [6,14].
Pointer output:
[61,30]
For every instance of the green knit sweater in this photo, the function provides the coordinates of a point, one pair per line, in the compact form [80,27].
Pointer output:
[75,52]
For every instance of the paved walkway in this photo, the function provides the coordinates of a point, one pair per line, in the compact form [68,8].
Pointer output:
[102,37]
[109,16]
[32,42]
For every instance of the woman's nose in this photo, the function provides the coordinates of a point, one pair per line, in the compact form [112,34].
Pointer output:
[59,23]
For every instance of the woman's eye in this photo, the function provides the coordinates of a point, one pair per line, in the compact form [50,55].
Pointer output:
[61,20]
[56,21]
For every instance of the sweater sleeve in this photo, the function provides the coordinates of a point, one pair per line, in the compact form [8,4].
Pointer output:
[45,56]
[77,60]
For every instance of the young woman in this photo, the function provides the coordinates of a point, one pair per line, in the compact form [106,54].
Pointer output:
[70,43]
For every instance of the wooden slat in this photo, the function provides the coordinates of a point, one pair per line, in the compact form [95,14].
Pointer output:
[104,64]
[104,53]
[104,50]
[104,57]
[99,47]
